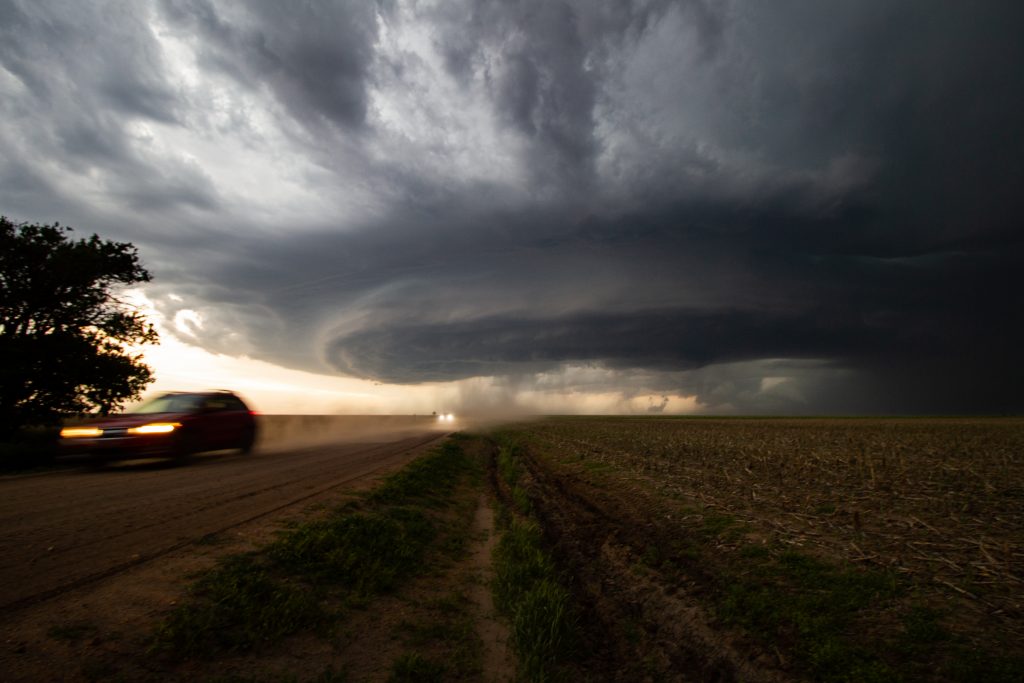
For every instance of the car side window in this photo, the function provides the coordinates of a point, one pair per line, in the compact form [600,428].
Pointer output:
[235,403]
[215,405]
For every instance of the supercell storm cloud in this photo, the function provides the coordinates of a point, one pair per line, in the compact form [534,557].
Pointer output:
[771,207]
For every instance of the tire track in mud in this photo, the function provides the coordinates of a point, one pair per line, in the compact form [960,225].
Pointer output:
[30,575]
[600,538]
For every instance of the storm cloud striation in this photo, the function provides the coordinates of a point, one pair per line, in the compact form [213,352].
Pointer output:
[784,207]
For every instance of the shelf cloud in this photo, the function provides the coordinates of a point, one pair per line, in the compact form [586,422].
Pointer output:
[783,208]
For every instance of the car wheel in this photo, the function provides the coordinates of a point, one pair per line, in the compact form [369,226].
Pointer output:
[184,448]
[248,444]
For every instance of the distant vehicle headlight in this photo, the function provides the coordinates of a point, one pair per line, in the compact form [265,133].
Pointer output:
[80,432]
[155,428]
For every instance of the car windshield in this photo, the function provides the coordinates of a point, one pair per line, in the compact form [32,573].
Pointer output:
[170,403]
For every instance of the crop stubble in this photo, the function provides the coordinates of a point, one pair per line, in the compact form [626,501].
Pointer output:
[937,502]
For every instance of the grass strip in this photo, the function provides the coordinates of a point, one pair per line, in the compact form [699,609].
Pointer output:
[429,480]
[365,552]
[449,623]
[360,550]
[527,588]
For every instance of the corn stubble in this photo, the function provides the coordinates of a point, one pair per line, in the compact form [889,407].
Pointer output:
[930,510]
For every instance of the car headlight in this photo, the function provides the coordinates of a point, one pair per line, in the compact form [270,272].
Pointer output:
[80,432]
[155,428]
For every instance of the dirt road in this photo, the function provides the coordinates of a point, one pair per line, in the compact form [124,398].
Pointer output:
[63,530]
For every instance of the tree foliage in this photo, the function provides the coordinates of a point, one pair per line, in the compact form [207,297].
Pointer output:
[68,344]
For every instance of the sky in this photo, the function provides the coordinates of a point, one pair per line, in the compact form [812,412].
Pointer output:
[544,206]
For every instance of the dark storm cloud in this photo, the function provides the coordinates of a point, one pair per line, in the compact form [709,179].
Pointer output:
[314,56]
[920,326]
[543,62]
[115,66]
[696,288]
[785,207]
[928,90]
[538,79]
[82,72]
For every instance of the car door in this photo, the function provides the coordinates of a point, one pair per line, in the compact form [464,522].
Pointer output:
[206,433]
[231,420]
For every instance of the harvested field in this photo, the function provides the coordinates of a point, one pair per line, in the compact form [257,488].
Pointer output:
[829,549]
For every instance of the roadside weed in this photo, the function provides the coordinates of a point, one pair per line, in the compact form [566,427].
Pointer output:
[365,552]
[236,606]
[300,581]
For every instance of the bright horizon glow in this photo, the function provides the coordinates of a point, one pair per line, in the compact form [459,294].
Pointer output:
[272,389]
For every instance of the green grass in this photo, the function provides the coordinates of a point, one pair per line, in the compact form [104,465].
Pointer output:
[811,607]
[527,587]
[716,525]
[922,629]
[294,584]
[366,552]
[972,665]
[527,590]
[237,606]
[508,460]
[820,614]
[414,668]
[510,470]
[429,480]
[924,637]
[449,623]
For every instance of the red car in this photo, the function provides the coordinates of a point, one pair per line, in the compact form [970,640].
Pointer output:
[172,425]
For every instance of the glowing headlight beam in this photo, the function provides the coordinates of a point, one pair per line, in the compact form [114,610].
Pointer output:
[80,432]
[155,428]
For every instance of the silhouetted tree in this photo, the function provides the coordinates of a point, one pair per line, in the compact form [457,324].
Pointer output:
[68,344]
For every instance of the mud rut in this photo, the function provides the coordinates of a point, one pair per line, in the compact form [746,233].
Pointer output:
[600,537]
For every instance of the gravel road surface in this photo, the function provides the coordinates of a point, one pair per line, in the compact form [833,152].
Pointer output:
[62,530]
